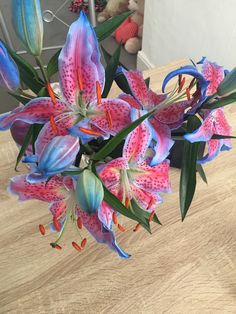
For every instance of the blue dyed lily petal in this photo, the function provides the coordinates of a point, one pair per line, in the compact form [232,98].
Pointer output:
[56,157]
[187,70]
[9,73]
[28,24]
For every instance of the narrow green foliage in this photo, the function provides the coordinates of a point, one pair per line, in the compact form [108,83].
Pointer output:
[27,141]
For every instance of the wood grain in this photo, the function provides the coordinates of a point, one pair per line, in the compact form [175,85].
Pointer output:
[181,268]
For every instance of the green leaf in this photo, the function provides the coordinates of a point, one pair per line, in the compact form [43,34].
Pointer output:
[201,172]
[72,172]
[122,83]
[219,137]
[111,71]
[188,171]
[116,140]
[113,201]
[25,145]
[140,212]
[36,130]
[221,102]
[106,28]
[20,98]
[147,82]
[52,67]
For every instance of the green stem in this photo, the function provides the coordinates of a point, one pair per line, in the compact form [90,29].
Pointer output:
[41,66]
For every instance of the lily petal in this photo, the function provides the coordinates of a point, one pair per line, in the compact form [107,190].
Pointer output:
[130,100]
[146,200]
[9,73]
[105,213]
[101,235]
[79,62]
[187,70]
[153,179]
[115,116]
[110,174]
[214,74]
[38,110]
[49,192]
[63,123]
[57,156]
[138,141]
[162,136]
[137,85]
[174,114]
[214,148]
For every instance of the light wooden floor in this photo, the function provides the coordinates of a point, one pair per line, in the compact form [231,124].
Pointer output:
[181,268]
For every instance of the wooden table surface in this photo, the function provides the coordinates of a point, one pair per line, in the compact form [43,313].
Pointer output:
[181,268]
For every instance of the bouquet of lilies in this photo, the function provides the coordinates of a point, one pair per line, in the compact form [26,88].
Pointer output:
[93,158]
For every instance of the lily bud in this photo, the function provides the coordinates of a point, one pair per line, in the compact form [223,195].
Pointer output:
[28,24]
[89,192]
[228,85]
[9,73]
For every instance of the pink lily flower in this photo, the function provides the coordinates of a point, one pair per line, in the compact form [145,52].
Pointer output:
[131,177]
[59,192]
[215,123]
[82,81]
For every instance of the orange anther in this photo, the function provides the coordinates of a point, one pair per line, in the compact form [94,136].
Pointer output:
[90,132]
[76,246]
[150,203]
[151,216]
[57,247]
[56,224]
[80,82]
[181,85]
[109,118]
[79,223]
[188,93]
[114,218]
[137,227]
[53,124]
[127,202]
[83,243]
[51,94]
[121,228]
[99,93]
[42,229]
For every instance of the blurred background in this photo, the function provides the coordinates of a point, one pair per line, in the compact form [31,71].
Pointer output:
[172,30]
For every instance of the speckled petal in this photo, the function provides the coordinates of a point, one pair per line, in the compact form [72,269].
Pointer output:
[115,117]
[105,213]
[38,110]
[213,73]
[146,200]
[173,115]
[162,137]
[153,179]
[130,100]
[101,234]
[79,62]
[138,141]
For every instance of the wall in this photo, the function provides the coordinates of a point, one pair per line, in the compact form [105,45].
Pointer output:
[177,29]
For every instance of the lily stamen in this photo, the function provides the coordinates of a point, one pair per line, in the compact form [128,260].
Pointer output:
[90,132]
[181,85]
[137,227]
[51,94]
[121,228]
[42,229]
[83,243]
[188,93]
[76,246]
[56,224]
[151,216]
[80,82]
[109,118]
[79,223]
[53,125]
[99,93]
[114,218]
